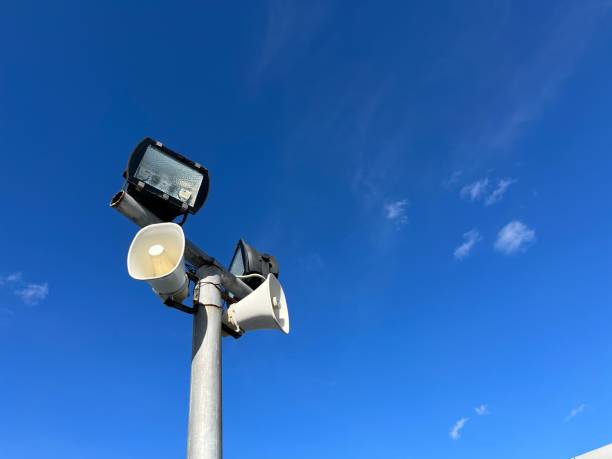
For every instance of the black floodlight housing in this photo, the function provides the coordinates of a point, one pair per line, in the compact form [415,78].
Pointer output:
[165,182]
[247,261]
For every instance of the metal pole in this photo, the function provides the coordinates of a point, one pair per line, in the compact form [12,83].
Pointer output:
[205,430]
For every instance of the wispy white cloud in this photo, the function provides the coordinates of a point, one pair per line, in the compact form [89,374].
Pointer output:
[499,191]
[482,410]
[538,81]
[475,190]
[514,237]
[33,293]
[396,211]
[376,175]
[372,142]
[290,29]
[28,292]
[453,179]
[575,412]
[470,239]
[479,189]
[10,278]
[313,261]
[455,431]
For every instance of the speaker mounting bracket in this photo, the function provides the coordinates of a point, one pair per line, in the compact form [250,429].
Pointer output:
[192,310]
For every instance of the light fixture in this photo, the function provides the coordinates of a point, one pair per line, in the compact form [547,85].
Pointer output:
[165,182]
[251,266]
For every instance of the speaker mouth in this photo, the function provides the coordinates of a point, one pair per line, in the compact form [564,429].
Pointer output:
[168,235]
[279,304]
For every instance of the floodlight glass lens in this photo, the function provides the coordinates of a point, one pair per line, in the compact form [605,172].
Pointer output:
[237,265]
[169,176]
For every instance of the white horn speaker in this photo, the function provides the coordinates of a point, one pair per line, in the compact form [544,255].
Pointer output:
[156,256]
[264,308]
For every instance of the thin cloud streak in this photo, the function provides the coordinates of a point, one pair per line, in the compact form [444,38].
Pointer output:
[475,190]
[537,83]
[10,278]
[290,28]
[30,293]
[455,431]
[374,178]
[499,191]
[396,211]
[453,179]
[33,293]
[470,239]
[479,190]
[575,412]
[482,410]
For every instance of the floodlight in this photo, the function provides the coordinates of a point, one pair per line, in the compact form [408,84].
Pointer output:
[165,182]
[248,261]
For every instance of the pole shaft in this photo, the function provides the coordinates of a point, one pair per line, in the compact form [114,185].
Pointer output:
[204,432]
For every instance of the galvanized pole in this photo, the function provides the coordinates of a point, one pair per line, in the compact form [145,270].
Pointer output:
[205,430]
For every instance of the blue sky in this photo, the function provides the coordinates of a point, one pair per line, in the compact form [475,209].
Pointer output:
[433,179]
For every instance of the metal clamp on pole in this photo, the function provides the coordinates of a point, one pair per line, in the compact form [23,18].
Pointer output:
[192,310]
